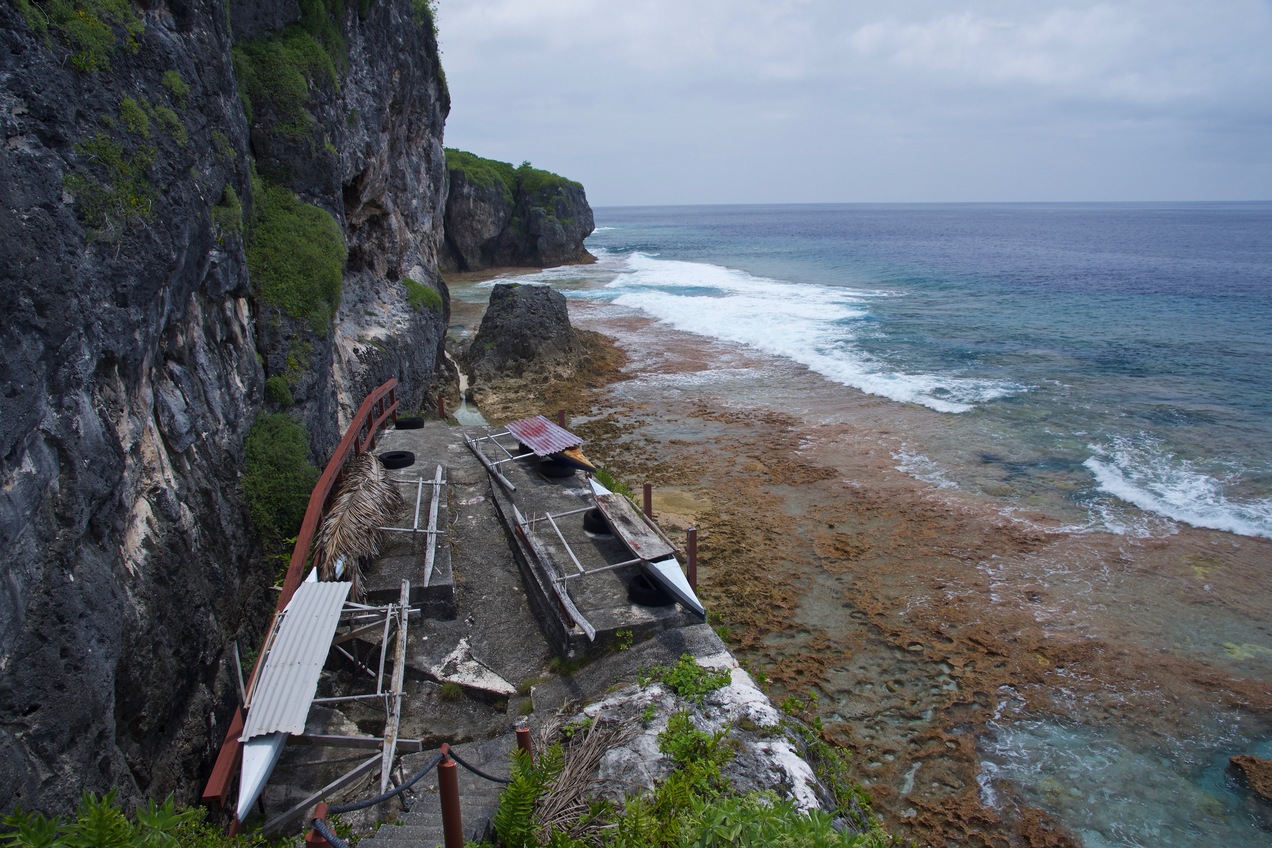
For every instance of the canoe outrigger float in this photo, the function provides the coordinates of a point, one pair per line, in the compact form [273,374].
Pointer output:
[643,538]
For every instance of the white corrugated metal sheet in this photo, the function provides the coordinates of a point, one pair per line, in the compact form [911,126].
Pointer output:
[289,678]
[542,436]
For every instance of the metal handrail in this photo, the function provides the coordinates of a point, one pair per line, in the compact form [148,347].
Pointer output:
[358,438]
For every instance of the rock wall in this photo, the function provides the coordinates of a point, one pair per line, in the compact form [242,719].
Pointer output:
[500,216]
[137,345]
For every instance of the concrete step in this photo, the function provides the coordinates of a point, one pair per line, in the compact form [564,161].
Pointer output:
[421,826]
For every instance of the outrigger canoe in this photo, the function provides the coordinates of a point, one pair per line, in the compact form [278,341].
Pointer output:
[647,542]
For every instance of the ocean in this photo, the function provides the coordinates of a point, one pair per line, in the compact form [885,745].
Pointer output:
[1103,371]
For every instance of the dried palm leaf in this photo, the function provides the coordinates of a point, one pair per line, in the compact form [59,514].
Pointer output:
[569,797]
[364,501]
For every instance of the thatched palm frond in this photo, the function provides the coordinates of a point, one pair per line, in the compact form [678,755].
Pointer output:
[364,501]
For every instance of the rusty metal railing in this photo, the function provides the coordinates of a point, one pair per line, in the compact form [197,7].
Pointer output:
[378,407]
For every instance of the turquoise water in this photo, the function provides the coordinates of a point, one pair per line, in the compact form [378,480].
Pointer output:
[1120,353]
[1109,364]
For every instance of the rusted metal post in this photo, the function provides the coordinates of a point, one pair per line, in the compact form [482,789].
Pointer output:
[691,554]
[649,501]
[524,742]
[561,418]
[441,407]
[448,788]
[314,839]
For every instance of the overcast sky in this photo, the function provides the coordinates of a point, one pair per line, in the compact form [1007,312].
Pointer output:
[775,101]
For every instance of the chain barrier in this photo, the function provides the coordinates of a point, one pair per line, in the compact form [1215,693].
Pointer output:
[328,834]
[457,758]
[395,791]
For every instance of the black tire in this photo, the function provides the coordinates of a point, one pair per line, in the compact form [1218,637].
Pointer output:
[644,592]
[555,469]
[415,422]
[594,522]
[397,459]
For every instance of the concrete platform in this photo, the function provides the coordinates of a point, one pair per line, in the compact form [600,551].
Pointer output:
[558,548]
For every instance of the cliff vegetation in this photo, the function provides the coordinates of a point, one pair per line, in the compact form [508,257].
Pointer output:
[498,215]
[220,226]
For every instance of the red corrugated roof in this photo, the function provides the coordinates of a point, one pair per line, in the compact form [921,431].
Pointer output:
[542,436]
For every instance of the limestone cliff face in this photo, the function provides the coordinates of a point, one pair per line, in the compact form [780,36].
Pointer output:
[497,215]
[137,344]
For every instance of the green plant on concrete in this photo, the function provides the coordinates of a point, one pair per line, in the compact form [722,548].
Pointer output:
[134,118]
[717,624]
[514,821]
[115,189]
[93,29]
[278,478]
[295,255]
[227,221]
[688,679]
[421,297]
[176,84]
[624,639]
[700,757]
[451,691]
[278,392]
[693,806]
[609,481]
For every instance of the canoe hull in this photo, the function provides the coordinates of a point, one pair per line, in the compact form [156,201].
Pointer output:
[260,755]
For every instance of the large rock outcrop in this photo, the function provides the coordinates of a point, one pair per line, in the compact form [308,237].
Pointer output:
[139,336]
[500,216]
[526,358]
[525,332]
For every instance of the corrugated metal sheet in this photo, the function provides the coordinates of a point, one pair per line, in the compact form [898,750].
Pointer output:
[289,678]
[542,436]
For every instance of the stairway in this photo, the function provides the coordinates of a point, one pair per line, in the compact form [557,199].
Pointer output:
[421,826]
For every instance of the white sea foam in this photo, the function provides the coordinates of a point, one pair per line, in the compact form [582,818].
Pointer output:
[813,325]
[923,468]
[1141,472]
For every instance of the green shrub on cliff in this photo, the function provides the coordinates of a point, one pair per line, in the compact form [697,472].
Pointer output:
[295,255]
[93,29]
[524,182]
[279,69]
[112,189]
[487,173]
[100,823]
[279,477]
[421,296]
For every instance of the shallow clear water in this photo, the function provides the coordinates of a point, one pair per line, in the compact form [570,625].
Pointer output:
[1109,365]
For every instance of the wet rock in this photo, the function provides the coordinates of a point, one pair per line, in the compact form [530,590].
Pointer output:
[1254,772]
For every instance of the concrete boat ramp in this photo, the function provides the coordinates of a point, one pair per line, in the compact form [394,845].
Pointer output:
[502,578]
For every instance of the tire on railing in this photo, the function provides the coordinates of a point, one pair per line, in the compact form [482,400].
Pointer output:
[397,459]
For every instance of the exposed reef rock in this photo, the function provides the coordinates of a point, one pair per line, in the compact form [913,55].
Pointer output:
[139,337]
[1255,773]
[500,216]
